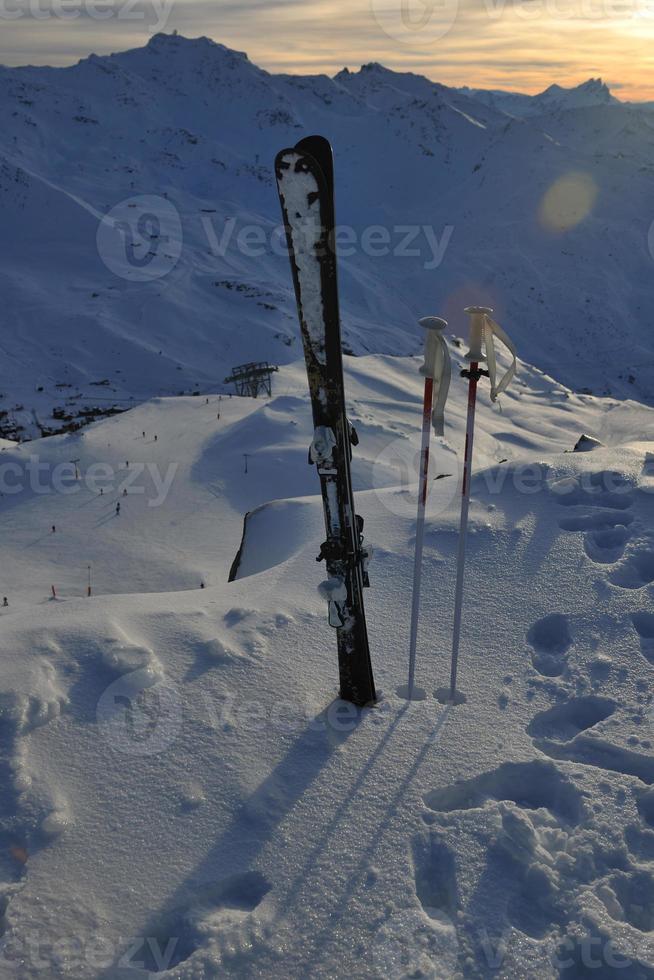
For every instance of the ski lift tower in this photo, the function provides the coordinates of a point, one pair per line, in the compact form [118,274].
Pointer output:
[253,378]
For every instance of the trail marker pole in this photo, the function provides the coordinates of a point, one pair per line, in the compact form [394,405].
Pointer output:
[436,366]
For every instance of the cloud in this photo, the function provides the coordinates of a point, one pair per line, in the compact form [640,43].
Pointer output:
[518,44]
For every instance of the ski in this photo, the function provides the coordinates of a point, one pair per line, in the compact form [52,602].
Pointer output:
[305,181]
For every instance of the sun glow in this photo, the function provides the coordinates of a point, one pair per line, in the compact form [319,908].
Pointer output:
[567,202]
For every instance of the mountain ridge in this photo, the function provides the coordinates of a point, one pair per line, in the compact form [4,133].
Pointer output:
[193,127]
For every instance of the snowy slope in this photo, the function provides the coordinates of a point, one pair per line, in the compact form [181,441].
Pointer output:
[470,199]
[185,797]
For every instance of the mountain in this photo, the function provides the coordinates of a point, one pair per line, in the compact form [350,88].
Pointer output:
[555,98]
[141,242]
[184,793]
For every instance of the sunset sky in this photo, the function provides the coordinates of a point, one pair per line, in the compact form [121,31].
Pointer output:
[523,45]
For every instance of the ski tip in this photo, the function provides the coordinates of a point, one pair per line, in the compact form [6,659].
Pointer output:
[281,159]
[320,149]
[312,143]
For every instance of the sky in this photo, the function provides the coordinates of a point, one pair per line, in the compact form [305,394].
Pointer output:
[523,45]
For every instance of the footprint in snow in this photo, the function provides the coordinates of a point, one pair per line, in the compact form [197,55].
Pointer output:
[550,640]
[565,721]
[644,626]
[629,897]
[606,533]
[591,750]
[434,866]
[605,489]
[236,615]
[425,941]
[529,812]
[596,521]
[606,546]
[531,785]
[636,571]
[215,914]
[640,836]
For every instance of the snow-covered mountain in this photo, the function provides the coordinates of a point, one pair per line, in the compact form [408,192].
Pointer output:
[184,795]
[448,196]
[591,93]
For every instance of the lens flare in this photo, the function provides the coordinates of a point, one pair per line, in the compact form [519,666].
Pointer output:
[567,202]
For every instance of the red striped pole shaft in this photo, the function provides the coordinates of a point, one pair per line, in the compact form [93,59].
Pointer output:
[463,530]
[420,529]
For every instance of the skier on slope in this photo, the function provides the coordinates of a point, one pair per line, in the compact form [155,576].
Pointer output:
[118,508]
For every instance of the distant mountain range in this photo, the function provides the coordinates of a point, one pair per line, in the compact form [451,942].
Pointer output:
[535,205]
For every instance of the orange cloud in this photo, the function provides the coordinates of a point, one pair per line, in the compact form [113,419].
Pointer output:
[523,45]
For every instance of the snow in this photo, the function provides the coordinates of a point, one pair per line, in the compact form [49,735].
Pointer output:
[184,794]
[184,790]
[306,229]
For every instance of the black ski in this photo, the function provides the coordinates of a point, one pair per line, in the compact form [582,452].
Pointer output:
[305,180]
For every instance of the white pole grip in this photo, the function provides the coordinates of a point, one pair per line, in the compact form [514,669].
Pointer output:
[477,316]
[433,325]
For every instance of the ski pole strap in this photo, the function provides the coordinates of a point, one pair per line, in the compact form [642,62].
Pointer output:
[493,330]
[442,386]
[438,367]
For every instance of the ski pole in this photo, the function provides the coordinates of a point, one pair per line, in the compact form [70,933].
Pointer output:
[478,316]
[435,352]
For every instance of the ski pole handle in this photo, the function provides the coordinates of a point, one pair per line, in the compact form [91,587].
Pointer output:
[477,316]
[433,325]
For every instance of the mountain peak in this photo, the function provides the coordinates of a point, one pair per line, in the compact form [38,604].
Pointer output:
[176,43]
[162,40]
[591,92]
